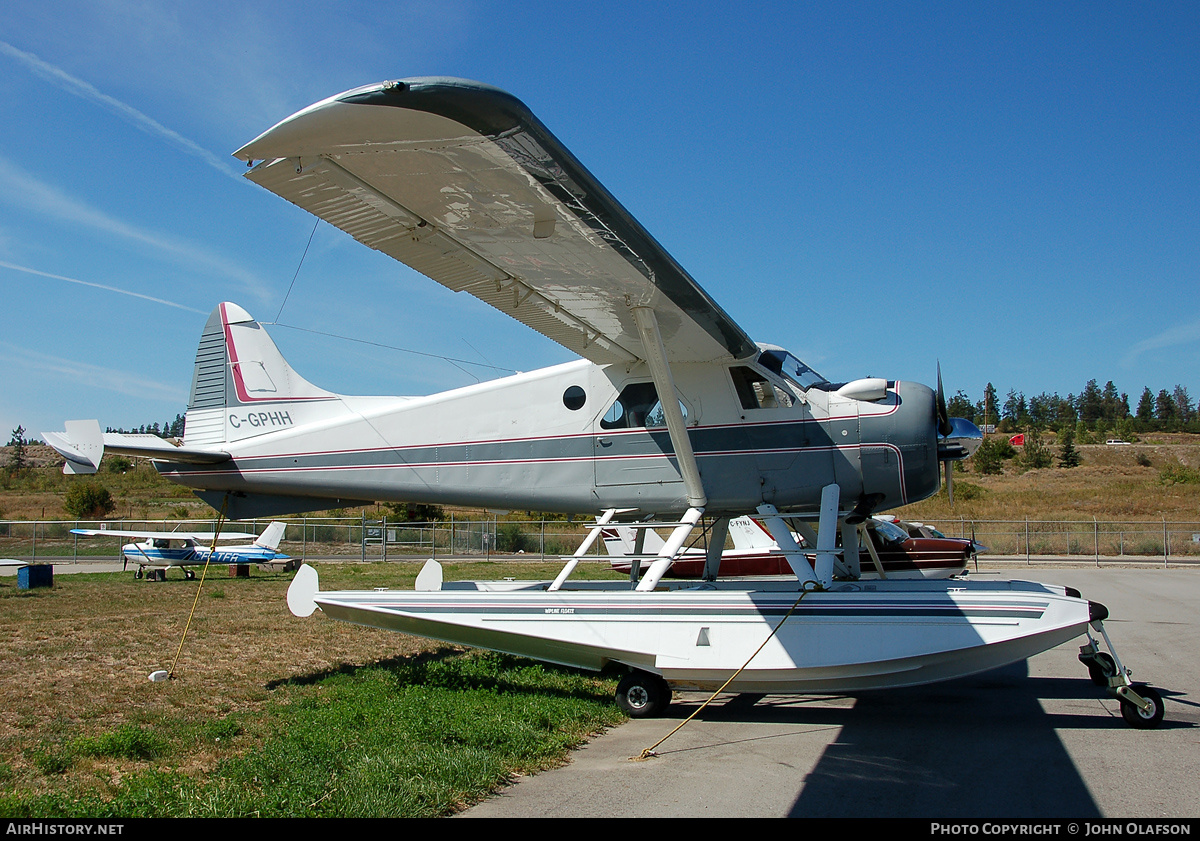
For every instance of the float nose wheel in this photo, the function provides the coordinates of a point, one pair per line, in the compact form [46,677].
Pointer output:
[1141,706]
[1136,715]
[643,695]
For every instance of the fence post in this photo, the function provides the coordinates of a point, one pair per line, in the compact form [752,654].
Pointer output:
[1166,542]
[1096,538]
[1027,561]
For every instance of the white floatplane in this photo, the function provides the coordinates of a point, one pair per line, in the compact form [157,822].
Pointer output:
[673,410]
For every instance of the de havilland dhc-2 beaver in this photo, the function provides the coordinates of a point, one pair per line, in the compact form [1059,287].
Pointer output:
[672,412]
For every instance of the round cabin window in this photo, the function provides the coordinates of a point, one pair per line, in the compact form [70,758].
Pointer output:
[574,398]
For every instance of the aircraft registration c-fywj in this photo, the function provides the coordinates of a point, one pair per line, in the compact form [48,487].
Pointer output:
[672,411]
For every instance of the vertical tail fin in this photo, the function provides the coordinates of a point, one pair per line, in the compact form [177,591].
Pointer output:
[620,540]
[749,534]
[272,536]
[241,385]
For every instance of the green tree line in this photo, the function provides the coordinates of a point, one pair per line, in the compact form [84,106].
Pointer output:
[1096,409]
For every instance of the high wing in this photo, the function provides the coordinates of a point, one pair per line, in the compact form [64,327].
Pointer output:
[195,536]
[461,182]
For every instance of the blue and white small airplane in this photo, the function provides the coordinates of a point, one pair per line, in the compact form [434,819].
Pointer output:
[160,551]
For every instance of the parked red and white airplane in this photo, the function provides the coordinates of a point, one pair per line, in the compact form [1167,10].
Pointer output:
[159,551]
[897,555]
[673,410]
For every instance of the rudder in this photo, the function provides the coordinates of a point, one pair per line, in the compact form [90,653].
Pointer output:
[238,366]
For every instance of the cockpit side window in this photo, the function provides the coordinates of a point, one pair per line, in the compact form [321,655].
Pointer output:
[791,369]
[756,392]
[637,406]
[890,532]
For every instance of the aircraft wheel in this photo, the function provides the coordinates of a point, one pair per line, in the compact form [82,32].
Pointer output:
[1135,717]
[1101,668]
[189,575]
[140,573]
[643,695]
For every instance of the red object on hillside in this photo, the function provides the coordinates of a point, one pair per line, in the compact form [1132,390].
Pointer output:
[1017,440]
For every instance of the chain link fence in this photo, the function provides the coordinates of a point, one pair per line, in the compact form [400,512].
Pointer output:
[369,539]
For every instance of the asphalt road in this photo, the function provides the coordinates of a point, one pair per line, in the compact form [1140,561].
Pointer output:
[1033,740]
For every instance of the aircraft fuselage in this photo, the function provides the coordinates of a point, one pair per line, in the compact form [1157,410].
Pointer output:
[555,440]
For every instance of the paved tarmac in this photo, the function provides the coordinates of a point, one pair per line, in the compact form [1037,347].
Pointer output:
[1033,740]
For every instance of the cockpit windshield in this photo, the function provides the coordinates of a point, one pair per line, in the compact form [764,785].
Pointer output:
[781,362]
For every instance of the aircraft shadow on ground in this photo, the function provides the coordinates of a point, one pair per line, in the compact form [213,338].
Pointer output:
[976,747]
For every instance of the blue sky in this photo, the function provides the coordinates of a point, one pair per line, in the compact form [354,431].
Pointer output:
[1011,189]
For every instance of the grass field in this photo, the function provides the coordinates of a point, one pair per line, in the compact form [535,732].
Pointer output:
[267,714]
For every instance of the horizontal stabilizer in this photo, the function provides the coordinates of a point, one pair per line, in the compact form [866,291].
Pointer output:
[83,445]
[151,446]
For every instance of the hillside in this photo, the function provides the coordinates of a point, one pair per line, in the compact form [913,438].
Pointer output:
[1110,484]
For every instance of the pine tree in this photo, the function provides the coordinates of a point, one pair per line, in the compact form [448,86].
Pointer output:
[1068,456]
[1034,454]
[1145,409]
[17,457]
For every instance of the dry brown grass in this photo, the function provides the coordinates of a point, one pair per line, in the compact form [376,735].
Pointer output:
[75,660]
[1110,485]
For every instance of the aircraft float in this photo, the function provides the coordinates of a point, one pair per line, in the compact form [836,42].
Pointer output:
[672,409]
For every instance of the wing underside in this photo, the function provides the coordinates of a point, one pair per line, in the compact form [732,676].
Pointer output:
[462,183]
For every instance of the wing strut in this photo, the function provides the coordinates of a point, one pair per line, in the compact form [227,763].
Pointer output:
[584,547]
[660,371]
[716,547]
[666,555]
[779,530]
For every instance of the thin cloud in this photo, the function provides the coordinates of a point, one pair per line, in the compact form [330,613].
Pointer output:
[92,376]
[163,301]
[1181,334]
[64,80]
[19,187]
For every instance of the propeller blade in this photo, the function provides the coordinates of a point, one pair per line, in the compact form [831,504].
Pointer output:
[949,481]
[974,550]
[943,416]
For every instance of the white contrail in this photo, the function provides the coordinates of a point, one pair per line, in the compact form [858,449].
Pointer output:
[82,89]
[21,188]
[163,301]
